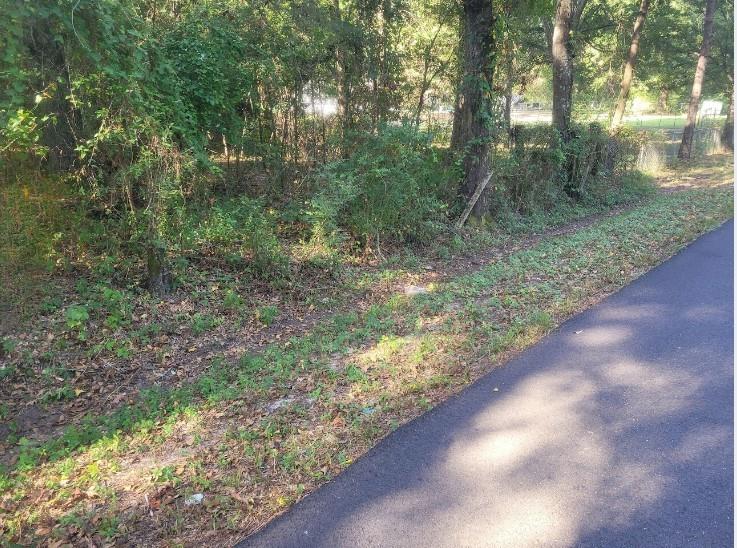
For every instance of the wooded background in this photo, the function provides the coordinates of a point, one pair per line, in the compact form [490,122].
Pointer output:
[171,128]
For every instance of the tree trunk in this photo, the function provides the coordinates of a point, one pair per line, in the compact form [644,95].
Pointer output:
[684,152]
[728,128]
[509,65]
[155,269]
[155,250]
[629,66]
[471,120]
[663,100]
[562,68]
[425,85]
[343,87]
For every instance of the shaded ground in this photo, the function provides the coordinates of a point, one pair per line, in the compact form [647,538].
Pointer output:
[616,430]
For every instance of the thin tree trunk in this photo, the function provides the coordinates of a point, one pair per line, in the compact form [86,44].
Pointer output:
[455,137]
[425,85]
[343,88]
[509,69]
[508,93]
[728,128]
[382,96]
[226,150]
[663,100]
[155,250]
[509,81]
[562,68]
[684,152]
[471,120]
[455,129]
[420,105]
[629,66]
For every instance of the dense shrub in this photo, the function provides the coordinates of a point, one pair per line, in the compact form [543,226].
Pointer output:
[393,189]
[528,174]
[538,172]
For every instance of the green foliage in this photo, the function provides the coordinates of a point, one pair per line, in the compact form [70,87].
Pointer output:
[203,322]
[232,300]
[76,317]
[529,174]
[62,393]
[7,345]
[540,173]
[675,217]
[241,229]
[391,189]
[267,314]
[165,474]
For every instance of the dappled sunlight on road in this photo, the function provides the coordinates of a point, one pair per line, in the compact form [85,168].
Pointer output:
[558,455]
[547,457]
[696,445]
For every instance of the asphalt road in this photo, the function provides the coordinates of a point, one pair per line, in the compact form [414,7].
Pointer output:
[615,430]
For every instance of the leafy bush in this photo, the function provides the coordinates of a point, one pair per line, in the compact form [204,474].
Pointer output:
[76,317]
[391,189]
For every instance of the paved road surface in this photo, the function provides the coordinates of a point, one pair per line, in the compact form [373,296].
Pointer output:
[616,430]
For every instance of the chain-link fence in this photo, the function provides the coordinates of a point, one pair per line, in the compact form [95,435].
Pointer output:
[661,146]
[663,132]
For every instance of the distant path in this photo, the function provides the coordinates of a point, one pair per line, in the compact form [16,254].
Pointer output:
[616,430]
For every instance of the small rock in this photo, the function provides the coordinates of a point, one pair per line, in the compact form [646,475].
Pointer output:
[197,498]
[278,404]
[415,290]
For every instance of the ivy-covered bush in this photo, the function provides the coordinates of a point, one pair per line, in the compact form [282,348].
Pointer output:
[392,189]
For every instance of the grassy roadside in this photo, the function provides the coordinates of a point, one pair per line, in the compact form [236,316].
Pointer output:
[93,343]
[256,434]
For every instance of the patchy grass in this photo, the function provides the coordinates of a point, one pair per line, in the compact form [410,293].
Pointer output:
[713,171]
[259,427]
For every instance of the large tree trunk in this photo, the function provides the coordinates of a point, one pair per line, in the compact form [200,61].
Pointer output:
[629,66]
[684,152]
[471,120]
[728,128]
[562,68]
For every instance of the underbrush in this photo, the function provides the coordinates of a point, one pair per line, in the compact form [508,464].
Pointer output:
[41,227]
[240,231]
[535,172]
[394,192]
[394,188]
